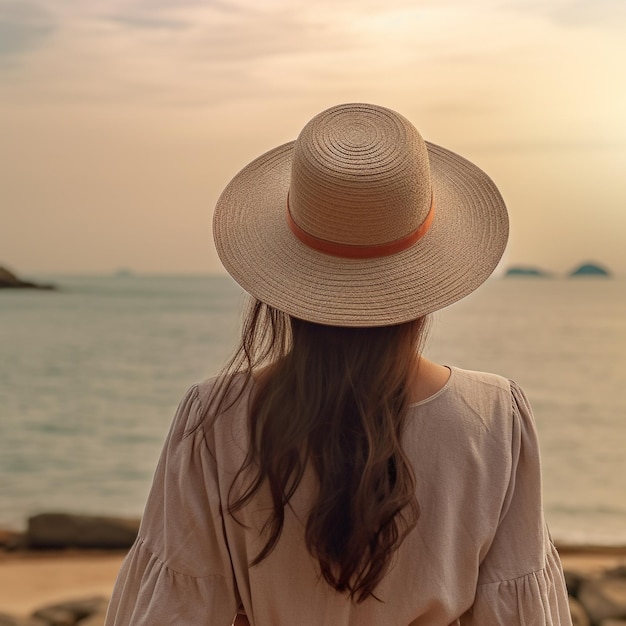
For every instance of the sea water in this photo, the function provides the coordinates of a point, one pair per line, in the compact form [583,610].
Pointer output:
[91,374]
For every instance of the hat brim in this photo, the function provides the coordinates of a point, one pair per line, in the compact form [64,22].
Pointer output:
[458,253]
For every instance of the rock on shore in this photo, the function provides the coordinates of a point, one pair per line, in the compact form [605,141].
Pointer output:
[63,530]
[86,612]
[597,599]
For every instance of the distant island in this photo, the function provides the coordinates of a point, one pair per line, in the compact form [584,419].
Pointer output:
[520,270]
[8,280]
[584,269]
[589,269]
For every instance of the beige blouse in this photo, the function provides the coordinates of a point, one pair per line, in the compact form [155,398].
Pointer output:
[480,555]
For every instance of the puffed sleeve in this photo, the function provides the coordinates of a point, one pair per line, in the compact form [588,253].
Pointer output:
[179,570]
[521,579]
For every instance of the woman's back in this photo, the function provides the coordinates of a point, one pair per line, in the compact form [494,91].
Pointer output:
[480,544]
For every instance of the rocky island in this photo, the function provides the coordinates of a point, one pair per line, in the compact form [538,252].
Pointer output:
[8,280]
[521,270]
[589,269]
[584,269]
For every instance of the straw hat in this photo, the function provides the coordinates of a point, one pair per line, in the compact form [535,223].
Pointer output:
[359,222]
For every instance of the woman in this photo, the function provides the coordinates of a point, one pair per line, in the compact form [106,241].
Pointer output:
[332,475]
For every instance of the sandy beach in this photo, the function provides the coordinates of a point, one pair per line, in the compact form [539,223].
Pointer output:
[31,579]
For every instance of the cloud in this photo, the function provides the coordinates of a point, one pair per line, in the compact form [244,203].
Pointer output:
[610,13]
[575,13]
[159,5]
[218,32]
[23,25]
[258,35]
[145,22]
[545,147]
[157,51]
[167,14]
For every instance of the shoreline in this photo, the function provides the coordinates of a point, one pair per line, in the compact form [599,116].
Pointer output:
[68,563]
[32,578]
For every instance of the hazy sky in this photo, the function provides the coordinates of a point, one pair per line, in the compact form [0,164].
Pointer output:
[122,120]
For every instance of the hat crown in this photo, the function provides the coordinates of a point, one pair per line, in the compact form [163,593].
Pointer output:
[382,227]
[360,176]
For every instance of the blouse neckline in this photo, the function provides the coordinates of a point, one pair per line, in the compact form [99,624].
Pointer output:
[441,391]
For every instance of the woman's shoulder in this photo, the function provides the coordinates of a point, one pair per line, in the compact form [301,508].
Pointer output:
[476,379]
[468,385]
[223,390]
[476,401]
[479,386]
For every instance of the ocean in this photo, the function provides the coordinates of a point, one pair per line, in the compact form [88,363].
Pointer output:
[90,377]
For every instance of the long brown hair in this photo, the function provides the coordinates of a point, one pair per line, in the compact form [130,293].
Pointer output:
[334,398]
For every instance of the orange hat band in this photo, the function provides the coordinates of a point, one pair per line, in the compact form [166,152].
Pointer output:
[361,252]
